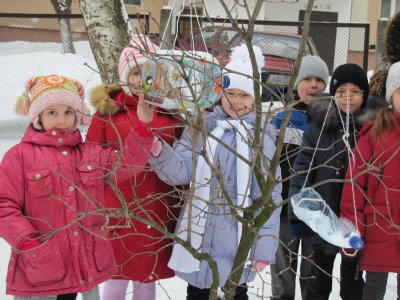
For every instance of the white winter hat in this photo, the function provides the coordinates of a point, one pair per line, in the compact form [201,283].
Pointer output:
[241,63]
[393,80]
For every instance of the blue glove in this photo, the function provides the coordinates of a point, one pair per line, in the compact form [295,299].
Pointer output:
[300,230]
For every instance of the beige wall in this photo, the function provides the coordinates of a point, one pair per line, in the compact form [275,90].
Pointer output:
[151,7]
[372,18]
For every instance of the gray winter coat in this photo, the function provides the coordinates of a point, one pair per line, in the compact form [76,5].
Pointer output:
[174,166]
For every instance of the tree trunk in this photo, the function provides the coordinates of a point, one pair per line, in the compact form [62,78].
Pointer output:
[108,34]
[63,7]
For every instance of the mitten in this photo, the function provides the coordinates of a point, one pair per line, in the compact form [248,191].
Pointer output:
[300,230]
[258,265]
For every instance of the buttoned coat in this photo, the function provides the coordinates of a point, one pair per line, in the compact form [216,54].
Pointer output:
[372,203]
[52,189]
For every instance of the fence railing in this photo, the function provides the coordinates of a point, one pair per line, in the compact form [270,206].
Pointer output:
[337,43]
[23,37]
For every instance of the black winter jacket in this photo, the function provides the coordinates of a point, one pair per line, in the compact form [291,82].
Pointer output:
[330,159]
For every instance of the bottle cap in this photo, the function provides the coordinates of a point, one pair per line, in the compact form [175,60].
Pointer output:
[356,243]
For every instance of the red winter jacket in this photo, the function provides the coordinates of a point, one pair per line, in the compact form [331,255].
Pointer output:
[52,189]
[141,251]
[376,199]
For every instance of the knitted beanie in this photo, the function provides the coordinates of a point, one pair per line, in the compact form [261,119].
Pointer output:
[134,55]
[240,63]
[393,80]
[349,73]
[312,66]
[42,91]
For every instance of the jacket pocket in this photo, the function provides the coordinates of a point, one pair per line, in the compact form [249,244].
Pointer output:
[102,252]
[44,264]
[40,183]
[91,179]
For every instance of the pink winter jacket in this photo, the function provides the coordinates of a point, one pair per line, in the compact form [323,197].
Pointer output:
[52,189]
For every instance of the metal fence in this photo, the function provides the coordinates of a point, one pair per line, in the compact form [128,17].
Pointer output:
[27,35]
[24,37]
[337,43]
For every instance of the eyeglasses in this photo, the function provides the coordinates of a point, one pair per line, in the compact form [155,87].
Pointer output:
[340,94]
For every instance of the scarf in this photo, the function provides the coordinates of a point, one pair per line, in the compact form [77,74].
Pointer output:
[181,260]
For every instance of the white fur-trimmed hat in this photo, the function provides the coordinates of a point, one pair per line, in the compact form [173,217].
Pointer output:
[241,63]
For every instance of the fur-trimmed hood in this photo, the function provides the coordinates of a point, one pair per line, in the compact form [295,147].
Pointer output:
[319,108]
[108,99]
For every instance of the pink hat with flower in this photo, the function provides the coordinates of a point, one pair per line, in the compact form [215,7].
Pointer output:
[42,91]
[134,55]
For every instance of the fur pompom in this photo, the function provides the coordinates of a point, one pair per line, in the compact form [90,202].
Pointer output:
[377,83]
[242,53]
[392,40]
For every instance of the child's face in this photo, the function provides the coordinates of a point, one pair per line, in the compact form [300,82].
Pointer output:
[237,103]
[349,92]
[396,101]
[59,116]
[309,88]
[134,80]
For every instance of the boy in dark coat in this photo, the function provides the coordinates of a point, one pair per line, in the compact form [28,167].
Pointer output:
[322,163]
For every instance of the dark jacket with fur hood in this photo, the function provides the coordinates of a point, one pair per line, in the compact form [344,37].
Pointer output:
[141,251]
[331,157]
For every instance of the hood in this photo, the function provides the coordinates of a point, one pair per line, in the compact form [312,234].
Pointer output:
[327,107]
[52,137]
[108,99]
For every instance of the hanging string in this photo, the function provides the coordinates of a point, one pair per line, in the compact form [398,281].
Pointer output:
[177,21]
[316,146]
[350,157]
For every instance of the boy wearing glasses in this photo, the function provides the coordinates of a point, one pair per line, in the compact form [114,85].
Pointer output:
[324,156]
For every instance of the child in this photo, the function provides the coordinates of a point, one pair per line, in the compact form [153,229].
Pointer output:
[51,195]
[371,200]
[141,252]
[324,155]
[310,83]
[217,233]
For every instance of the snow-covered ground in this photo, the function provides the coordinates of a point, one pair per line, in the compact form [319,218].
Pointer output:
[29,59]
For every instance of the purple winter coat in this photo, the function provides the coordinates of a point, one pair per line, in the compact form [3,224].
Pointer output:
[52,188]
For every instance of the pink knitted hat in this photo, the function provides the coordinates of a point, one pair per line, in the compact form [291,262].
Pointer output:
[134,55]
[42,91]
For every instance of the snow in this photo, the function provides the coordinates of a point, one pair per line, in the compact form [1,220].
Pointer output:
[29,59]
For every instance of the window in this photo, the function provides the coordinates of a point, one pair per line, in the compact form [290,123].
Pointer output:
[389,8]
[133,2]
[385,8]
[187,27]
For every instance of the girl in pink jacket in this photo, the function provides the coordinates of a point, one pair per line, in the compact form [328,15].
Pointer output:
[51,195]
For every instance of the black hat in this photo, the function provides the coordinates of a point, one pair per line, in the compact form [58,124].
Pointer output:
[349,73]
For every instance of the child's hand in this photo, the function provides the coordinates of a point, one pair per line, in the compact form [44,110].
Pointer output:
[258,265]
[145,112]
[156,147]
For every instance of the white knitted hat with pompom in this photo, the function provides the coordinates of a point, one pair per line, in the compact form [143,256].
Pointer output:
[241,63]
